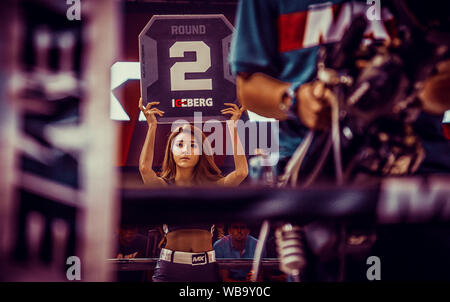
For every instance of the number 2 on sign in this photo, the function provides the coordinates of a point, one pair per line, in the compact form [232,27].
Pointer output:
[178,80]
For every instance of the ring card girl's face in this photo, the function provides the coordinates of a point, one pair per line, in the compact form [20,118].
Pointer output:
[186,150]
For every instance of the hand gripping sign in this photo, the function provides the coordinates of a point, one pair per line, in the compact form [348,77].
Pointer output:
[184,65]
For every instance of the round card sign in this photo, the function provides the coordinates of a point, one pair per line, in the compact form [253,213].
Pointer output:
[184,65]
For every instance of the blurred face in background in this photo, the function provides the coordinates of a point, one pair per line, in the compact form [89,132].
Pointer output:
[239,231]
[127,234]
[185,150]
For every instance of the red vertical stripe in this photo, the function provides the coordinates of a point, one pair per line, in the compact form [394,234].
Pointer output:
[337,8]
[291,31]
[446,129]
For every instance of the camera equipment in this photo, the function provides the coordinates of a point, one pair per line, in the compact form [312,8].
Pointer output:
[377,88]
[290,250]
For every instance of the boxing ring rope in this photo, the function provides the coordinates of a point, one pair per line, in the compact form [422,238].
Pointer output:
[142,264]
[142,207]
[394,200]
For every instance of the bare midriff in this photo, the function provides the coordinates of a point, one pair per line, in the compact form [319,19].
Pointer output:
[189,240]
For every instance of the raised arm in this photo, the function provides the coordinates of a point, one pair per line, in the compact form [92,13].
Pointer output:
[146,158]
[240,161]
[261,94]
[266,96]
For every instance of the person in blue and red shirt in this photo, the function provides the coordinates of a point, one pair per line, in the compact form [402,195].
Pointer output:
[238,244]
[274,55]
[274,52]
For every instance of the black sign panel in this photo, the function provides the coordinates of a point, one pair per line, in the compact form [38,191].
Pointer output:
[184,65]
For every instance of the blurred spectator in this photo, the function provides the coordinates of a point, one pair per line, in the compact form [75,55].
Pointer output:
[219,231]
[131,245]
[238,244]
